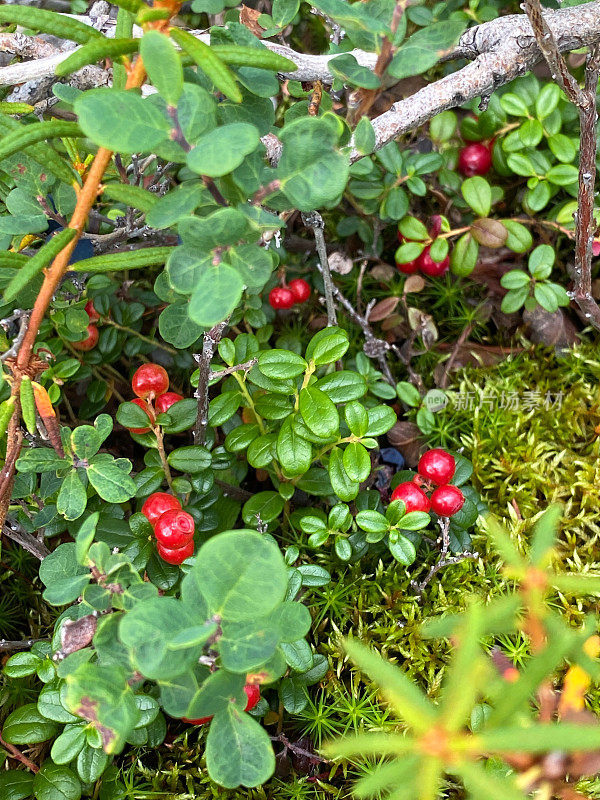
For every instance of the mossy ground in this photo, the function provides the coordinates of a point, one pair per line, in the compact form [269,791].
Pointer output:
[524,458]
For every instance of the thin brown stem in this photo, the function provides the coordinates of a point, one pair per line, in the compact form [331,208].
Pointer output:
[223,373]
[86,197]
[585,100]
[585,222]
[141,336]
[548,45]
[466,332]
[160,444]
[18,755]
[209,345]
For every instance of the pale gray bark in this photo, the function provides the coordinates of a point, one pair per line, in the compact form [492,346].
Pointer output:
[501,51]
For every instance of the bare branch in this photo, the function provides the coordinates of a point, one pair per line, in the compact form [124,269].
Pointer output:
[444,560]
[223,373]
[373,347]
[585,224]
[15,647]
[23,317]
[13,530]
[210,342]
[585,101]
[503,49]
[549,49]
[314,221]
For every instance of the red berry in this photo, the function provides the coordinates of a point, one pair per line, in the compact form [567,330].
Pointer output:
[200,721]
[437,466]
[430,267]
[447,500]
[174,528]
[253,695]
[413,498]
[596,247]
[156,505]
[91,311]
[90,341]
[164,401]
[409,267]
[474,159]
[175,555]
[300,289]
[143,405]
[281,297]
[149,381]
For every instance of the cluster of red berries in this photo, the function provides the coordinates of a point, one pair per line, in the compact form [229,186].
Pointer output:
[297,291]
[150,383]
[252,693]
[474,159]
[92,329]
[425,262]
[436,468]
[173,527]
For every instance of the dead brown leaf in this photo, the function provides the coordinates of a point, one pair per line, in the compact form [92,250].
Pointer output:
[383,309]
[414,284]
[249,18]
[383,272]
[408,439]
[550,329]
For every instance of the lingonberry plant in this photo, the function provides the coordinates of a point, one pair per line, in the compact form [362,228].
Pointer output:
[238,275]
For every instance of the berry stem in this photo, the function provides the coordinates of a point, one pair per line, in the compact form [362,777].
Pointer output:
[160,444]
[148,339]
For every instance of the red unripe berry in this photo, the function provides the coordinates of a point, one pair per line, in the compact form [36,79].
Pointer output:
[174,528]
[139,402]
[437,466]
[91,311]
[157,504]
[90,341]
[281,297]
[596,247]
[176,555]
[430,267]
[149,381]
[474,159]
[164,401]
[447,500]
[253,695]
[414,499]
[300,289]
[435,226]
[199,721]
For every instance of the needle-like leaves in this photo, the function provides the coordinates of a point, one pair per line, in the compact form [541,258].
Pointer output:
[407,700]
